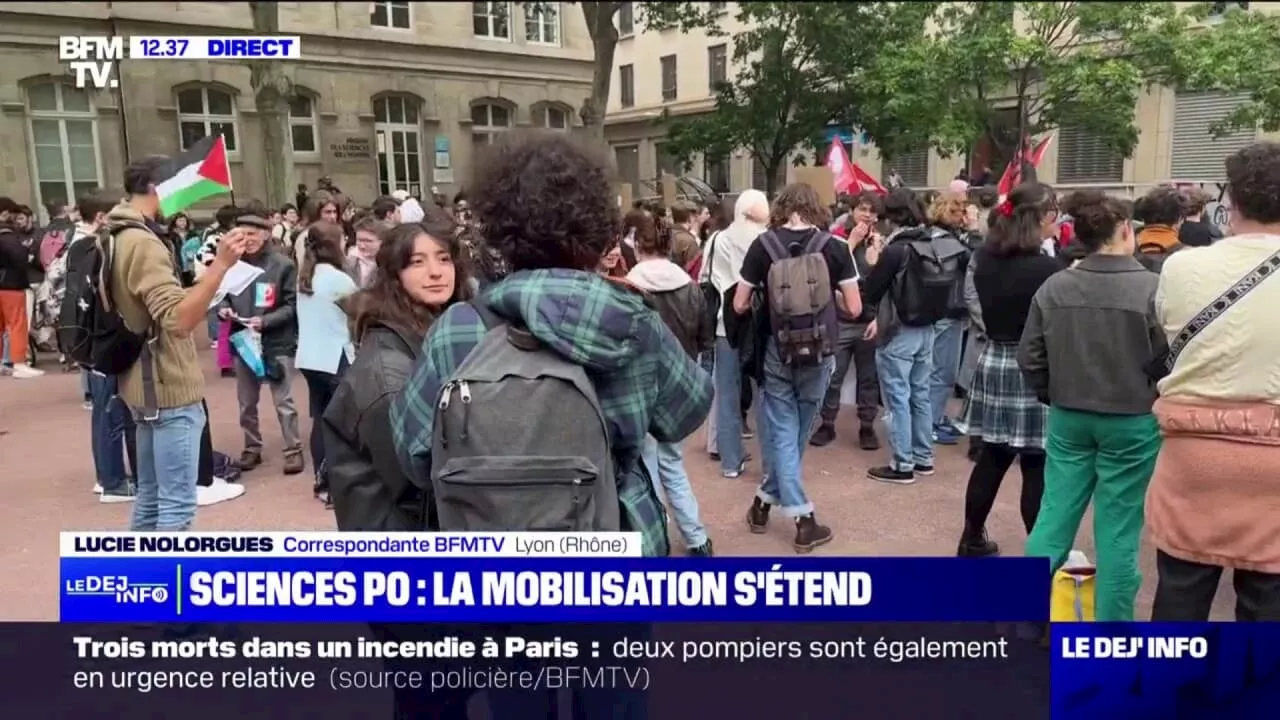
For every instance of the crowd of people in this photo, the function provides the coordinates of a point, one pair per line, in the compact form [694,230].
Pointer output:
[1115,350]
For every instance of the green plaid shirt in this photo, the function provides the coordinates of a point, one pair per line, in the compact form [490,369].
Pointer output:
[646,383]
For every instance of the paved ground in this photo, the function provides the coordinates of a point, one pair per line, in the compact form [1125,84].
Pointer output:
[48,476]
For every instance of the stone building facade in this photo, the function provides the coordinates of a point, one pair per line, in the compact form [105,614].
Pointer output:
[389,95]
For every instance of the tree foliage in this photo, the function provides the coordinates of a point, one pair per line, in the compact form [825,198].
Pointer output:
[1237,53]
[779,98]
[1082,64]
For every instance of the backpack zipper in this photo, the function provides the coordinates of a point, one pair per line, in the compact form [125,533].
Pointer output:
[464,392]
[443,405]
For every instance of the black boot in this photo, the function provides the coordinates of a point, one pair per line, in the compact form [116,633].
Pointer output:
[867,439]
[974,543]
[758,516]
[823,436]
[810,535]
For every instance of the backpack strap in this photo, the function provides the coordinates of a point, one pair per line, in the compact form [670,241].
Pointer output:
[150,410]
[487,316]
[816,243]
[773,245]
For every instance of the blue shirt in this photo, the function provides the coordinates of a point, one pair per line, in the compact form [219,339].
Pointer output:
[323,334]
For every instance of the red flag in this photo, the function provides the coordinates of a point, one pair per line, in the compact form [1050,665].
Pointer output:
[838,162]
[1013,171]
[866,182]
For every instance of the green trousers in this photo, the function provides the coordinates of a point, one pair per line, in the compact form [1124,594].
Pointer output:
[1109,459]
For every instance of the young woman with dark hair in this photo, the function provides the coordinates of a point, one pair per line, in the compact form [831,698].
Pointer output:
[420,273]
[324,341]
[1001,408]
[1102,438]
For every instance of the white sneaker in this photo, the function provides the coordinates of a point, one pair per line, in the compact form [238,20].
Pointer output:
[219,491]
[23,371]
[97,488]
[87,405]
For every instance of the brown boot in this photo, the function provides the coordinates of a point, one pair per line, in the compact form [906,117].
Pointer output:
[809,534]
[250,459]
[758,516]
[294,463]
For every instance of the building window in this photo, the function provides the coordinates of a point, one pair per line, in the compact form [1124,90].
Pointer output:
[542,23]
[487,120]
[627,158]
[398,140]
[302,125]
[1197,155]
[1084,158]
[669,77]
[715,172]
[717,67]
[665,162]
[64,140]
[390,15]
[553,117]
[626,18]
[491,20]
[627,85]
[913,168]
[203,112]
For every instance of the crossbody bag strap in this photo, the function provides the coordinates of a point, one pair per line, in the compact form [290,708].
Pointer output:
[708,268]
[1224,302]
[150,410]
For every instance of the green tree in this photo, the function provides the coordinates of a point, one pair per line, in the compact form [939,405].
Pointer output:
[272,91]
[1237,55]
[889,81]
[1082,64]
[779,98]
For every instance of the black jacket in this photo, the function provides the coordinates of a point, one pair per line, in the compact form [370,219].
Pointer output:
[370,492]
[273,296]
[679,301]
[17,261]
[1199,233]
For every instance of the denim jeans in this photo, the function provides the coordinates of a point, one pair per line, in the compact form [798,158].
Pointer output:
[111,429]
[948,338]
[905,363]
[666,464]
[728,384]
[790,399]
[212,325]
[168,467]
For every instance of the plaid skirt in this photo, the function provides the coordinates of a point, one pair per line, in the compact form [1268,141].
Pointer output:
[1000,408]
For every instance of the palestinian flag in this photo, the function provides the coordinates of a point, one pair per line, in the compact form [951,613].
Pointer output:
[200,172]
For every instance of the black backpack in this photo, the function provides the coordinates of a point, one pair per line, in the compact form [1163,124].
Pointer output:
[931,287]
[90,331]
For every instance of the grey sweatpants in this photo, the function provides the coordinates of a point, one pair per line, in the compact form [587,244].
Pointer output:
[249,389]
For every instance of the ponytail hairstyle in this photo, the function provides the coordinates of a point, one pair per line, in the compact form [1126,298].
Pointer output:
[323,245]
[1016,224]
[1095,216]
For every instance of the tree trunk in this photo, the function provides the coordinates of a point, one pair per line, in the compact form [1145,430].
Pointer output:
[604,41]
[272,91]
[1027,168]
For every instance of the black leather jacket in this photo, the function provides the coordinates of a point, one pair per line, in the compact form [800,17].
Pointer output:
[370,492]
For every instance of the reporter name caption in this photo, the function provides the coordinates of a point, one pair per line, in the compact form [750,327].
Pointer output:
[92,58]
[498,577]
[616,664]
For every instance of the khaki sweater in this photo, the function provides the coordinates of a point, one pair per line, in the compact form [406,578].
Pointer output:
[146,292]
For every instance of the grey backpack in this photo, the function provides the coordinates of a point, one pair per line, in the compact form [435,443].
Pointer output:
[520,441]
[801,299]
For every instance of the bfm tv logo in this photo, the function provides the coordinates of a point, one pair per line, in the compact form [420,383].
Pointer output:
[118,587]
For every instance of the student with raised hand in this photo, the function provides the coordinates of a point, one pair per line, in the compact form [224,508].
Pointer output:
[1090,338]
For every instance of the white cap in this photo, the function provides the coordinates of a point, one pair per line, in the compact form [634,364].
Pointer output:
[400,195]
